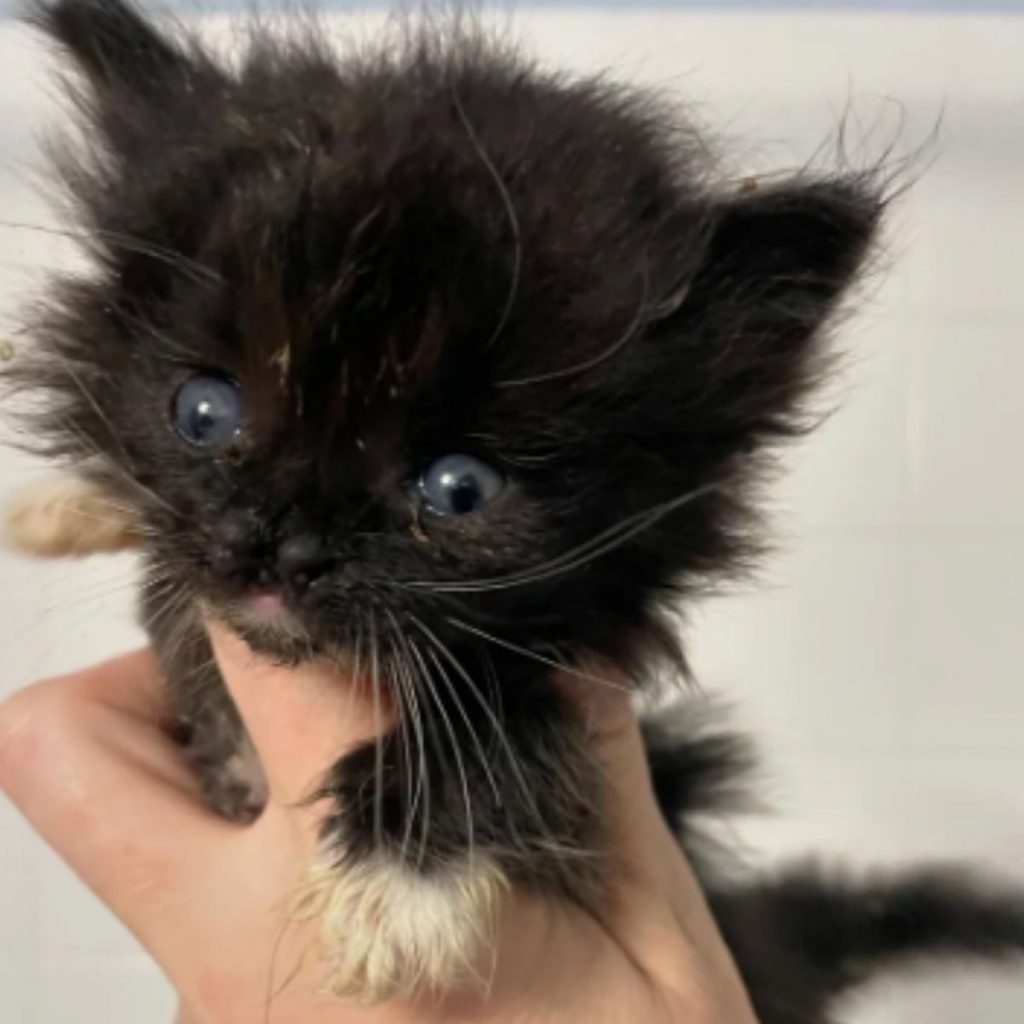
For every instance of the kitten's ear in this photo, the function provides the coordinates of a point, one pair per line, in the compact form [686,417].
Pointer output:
[112,43]
[799,242]
[777,260]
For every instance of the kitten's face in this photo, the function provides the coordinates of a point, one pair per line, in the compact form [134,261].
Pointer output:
[373,404]
[430,342]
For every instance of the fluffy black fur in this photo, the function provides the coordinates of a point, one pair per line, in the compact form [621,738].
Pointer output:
[438,247]
[807,935]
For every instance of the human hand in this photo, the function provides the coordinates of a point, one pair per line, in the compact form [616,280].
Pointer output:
[88,760]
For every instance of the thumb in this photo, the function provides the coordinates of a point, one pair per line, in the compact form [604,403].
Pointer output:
[300,718]
[604,703]
[657,903]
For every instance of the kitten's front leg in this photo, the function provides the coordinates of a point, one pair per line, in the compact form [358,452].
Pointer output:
[70,515]
[208,725]
[413,871]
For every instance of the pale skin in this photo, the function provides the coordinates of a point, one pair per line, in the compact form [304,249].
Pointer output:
[86,759]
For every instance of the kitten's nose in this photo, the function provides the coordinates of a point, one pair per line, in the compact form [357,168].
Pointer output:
[301,558]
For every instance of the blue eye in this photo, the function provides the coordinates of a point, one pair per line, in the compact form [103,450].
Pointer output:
[207,411]
[456,485]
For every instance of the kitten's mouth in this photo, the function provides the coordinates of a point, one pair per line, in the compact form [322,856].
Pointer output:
[268,608]
[265,619]
[268,605]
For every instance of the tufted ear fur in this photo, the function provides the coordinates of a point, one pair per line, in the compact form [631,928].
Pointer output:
[112,43]
[140,90]
[144,98]
[777,261]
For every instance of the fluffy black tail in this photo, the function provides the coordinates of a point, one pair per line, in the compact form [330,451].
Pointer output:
[805,936]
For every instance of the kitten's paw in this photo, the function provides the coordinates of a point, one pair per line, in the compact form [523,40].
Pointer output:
[388,931]
[234,787]
[67,516]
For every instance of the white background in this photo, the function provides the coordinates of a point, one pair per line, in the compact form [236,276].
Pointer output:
[879,658]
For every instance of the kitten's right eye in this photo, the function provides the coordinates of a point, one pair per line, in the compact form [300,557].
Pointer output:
[456,485]
[207,411]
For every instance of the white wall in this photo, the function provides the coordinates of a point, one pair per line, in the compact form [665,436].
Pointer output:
[879,662]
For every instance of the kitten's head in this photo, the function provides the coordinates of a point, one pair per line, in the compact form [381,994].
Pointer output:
[427,341]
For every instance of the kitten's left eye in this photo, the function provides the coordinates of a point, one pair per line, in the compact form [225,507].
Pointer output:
[207,411]
[456,485]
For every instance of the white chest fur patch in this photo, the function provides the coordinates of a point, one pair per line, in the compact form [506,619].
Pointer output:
[388,931]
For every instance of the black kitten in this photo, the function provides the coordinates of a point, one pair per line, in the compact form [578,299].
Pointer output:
[458,370]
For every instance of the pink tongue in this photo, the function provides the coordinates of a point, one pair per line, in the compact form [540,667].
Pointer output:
[268,603]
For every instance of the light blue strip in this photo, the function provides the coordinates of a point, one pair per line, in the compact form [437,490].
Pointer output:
[8,7]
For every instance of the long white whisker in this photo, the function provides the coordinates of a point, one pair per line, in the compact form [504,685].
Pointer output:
[174,603]
[405,688]
[108,463]
[446,721]
[533,655]
[413,788]
[499,729]
[378,768]
[584,553]
[424,766]
[474,738]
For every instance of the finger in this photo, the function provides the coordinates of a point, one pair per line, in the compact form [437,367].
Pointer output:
[301,718]
[86,759]
[604,702]
[657,905]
